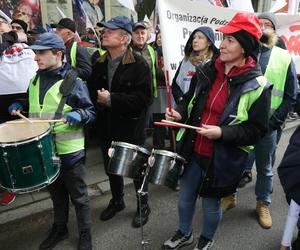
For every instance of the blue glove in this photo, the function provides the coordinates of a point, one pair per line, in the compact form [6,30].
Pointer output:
[73,118]
[14,107]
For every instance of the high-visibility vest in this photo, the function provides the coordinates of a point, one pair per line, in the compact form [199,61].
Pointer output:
[68,139]
[101,51]
[154,82]
[276,73]
[73,54]
[245,102]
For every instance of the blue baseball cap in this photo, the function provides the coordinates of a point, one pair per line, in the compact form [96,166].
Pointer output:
[118,22]
[48,41]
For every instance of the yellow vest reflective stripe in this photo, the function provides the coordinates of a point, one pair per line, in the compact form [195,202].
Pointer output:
[73,54]
[101,51]
[181,131]
[245,102]
[154,82]
[276,73]
[68,139]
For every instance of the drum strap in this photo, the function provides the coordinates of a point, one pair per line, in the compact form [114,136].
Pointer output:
[65,89]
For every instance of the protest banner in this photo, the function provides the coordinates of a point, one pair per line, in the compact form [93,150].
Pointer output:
[179,18]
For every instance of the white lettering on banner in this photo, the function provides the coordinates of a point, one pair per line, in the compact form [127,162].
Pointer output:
[179,18]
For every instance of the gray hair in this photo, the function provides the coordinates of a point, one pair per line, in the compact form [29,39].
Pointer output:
[125,33]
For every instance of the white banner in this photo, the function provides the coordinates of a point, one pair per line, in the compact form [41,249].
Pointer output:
[17,67]
[179,18]
[289,31]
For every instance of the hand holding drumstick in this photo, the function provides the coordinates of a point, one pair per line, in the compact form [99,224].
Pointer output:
[212,132]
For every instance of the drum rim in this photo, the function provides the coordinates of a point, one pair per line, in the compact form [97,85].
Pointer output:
[168,153]
[131,146]
[33,188]
[26,141]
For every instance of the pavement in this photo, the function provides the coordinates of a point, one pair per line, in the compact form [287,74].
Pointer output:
[24,223]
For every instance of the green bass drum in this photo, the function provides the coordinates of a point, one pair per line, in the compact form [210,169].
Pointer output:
[28,161]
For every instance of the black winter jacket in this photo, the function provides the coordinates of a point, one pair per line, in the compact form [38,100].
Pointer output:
[131,95]
[227,163]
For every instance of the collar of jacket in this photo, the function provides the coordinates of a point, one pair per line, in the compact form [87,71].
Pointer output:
[128,57]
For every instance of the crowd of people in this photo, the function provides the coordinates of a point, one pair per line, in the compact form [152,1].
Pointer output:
[238,96]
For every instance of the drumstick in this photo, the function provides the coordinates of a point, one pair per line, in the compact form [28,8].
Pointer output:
[23,117]
[181,124]
[164,124]
[35,121]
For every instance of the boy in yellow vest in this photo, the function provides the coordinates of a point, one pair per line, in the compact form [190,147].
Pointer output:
[44,100]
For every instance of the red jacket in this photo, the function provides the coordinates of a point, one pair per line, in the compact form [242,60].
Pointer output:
[216,102]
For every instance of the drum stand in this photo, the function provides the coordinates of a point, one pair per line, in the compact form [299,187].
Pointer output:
[140,192]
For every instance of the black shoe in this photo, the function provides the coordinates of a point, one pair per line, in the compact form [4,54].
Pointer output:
[246,178]
[177,241]
[85,240]
[204,243]
[111,210]
[137,221]
[56,235]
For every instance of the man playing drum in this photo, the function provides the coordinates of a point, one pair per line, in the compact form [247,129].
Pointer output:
[120,85]
[46,101]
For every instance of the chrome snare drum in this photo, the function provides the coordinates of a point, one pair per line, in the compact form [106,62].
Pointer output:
[166,168]
[127,160]
[27,157]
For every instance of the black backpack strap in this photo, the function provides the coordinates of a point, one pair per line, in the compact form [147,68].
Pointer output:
[65,89]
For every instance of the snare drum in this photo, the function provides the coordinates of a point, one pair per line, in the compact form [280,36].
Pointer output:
[27,157]
[166,168]
[127,160]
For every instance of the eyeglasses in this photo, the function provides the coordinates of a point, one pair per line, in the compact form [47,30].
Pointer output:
[14,27]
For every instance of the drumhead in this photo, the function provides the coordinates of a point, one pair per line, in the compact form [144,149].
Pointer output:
[14,132]
[168,153]
[131,146]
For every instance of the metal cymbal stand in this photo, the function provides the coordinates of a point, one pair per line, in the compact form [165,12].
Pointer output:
[140,192]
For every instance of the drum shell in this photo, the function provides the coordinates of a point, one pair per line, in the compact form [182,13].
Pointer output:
[128,160]
[28,165]
[166,169]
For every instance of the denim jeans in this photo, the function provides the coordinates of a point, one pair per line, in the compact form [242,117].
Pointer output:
[251,158]
[264,151]
[189,187]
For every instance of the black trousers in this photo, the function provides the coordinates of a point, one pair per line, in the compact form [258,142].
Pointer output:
[71,184]
[117,182]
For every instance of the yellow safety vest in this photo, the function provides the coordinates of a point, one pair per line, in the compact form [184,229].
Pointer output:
[154,82]
[73,54]
[68,139]
[276,72]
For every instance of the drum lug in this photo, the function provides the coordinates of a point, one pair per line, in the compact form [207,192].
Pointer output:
[27,169]
[151,161]
[40,147]
[12,180]
[173,162]
[111,152]
[56,160]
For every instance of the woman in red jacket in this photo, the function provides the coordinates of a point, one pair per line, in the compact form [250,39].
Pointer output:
[229,101]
